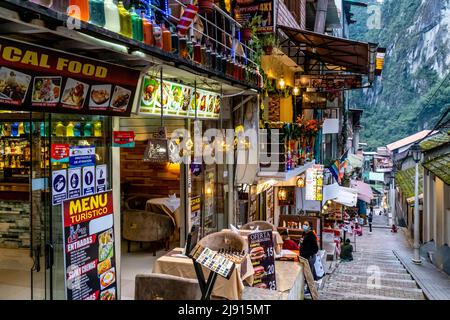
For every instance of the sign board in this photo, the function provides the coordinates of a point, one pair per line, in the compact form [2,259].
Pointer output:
[245,10]
[331,82]
[88,180]
[59,186]
[101,177]
[379,61]
[330,126]
[34,78]
[376,176]
[309,278]
[261,251]
[196,208]
[81,156]
[60,152]
[123,139]
[314,183]
[74,178]
[156,151]
[178,100]
[89,257]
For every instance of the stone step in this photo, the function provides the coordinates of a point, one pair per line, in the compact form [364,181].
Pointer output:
[398,276]
[388,291]
[401,283]
[336,295]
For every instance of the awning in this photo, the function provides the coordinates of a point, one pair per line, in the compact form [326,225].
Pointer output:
[340,54]
[440,167]
[364,190]
[345,196]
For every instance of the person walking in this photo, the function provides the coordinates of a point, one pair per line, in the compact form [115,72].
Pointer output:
[308,247]
[370,219]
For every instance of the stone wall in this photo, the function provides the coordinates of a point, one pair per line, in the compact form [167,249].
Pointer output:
[14,224]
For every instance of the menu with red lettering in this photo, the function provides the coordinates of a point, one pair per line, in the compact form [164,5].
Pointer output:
[89,248]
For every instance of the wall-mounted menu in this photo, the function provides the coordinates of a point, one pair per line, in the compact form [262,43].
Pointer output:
[90,272]
[39,79]
[178,100]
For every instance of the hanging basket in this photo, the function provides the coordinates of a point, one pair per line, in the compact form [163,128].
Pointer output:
[205,6]
[246,34]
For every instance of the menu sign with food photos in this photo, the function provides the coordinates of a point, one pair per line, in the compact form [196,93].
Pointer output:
[34,78]
[90,267]
[178,100]
[261,252]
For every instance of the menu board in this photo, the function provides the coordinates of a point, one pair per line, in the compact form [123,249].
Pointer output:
[245,10]
[314,183]
[263,260]
[213,260]
[177,100]
[34,78]
[89,257]
[331,82]
[196,207]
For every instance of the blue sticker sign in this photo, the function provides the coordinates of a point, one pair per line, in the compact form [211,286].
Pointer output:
[74,178]
[59,186]
[101,177]
[82,156]
[88,180]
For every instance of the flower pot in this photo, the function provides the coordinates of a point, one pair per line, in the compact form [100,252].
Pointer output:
[268,50]
[205,6]
[246,34]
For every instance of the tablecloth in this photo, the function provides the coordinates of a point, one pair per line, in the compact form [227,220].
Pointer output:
[170,206]
[230,289]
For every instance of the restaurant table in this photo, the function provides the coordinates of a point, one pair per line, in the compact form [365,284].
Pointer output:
[183,266]
[277,240]
[290,284]
[168,205]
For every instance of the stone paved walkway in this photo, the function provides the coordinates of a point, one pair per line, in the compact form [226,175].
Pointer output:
[375,273]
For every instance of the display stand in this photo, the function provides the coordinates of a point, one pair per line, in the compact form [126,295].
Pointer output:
[206,287]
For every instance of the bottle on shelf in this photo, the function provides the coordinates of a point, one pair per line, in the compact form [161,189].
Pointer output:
[183,49]
[70,130]
[7,148]
[15,129]
[136,25]
[175,42]
[147,28]
[13,148]
[7,130]
[13,162]
[98,129]
[112,20]
[87,130]
[157,34]
[79,9]
[190,48]
[21,129]
[166,39]
[197,51]
[77,129]
[125,21]
[97,12]
[60,130]
[43,129]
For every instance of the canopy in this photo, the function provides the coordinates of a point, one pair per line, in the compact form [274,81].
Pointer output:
[364,190]
[342,195]
[341,54]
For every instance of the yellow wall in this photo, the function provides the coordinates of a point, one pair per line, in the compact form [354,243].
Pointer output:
[275,69]
[286,109]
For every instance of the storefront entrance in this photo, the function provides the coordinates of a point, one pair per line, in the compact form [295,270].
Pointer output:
[33,146]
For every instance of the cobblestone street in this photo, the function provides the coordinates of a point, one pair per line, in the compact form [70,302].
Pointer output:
[375,272]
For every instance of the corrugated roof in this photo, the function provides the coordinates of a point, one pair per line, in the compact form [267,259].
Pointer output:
[405,181]
[435,141]
[440,167]
[408,140]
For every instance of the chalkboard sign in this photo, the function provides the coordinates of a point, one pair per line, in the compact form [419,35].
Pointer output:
[156,151]
[263,260]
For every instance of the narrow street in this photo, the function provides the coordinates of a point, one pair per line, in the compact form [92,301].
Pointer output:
[375,273]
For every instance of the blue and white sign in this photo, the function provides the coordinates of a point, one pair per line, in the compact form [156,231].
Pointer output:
[88,180]
[82,156]
[74,177]
[59,186]
[101,177]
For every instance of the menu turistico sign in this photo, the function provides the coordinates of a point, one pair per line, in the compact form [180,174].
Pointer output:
[34,78]
[90,268]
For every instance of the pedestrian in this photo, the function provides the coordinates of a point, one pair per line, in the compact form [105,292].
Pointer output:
[288,244]
[394,228]
[370,219]
[346,251]
[358,229]
[309,246]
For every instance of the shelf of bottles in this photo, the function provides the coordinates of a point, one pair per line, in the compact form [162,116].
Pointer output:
[15,151]
[153,25]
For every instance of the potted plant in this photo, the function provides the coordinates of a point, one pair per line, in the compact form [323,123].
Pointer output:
[268,42]
[249,28]
[206,5]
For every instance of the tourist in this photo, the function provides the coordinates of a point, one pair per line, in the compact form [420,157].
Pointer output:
[309,246]
[346,251]
[288,244]
[370,219]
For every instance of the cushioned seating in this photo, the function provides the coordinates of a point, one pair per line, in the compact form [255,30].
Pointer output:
[263,225]
[157,286]
[137,202]
[223,240]
[144,226]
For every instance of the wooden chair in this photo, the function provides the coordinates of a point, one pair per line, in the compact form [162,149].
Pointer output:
[157,286]
[263,225]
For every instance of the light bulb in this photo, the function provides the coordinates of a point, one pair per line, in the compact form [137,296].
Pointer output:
[282,83]
[296,91]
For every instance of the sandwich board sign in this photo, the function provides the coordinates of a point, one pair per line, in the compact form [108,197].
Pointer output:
[262,256]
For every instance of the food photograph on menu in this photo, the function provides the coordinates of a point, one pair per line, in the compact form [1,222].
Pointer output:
[74,94]
[120,99]
[99,97]
[13,86]
[46,91]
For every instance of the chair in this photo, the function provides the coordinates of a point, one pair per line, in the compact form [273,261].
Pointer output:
[223,240]
[136,202]
[263,225]
[158,286]
[144,226]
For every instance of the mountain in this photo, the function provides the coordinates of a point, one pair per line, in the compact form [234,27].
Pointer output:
[417,38]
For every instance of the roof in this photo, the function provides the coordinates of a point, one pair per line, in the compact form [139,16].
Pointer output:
[408,140]
[435,141]
[340,54]
[405,181]
[440,167]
